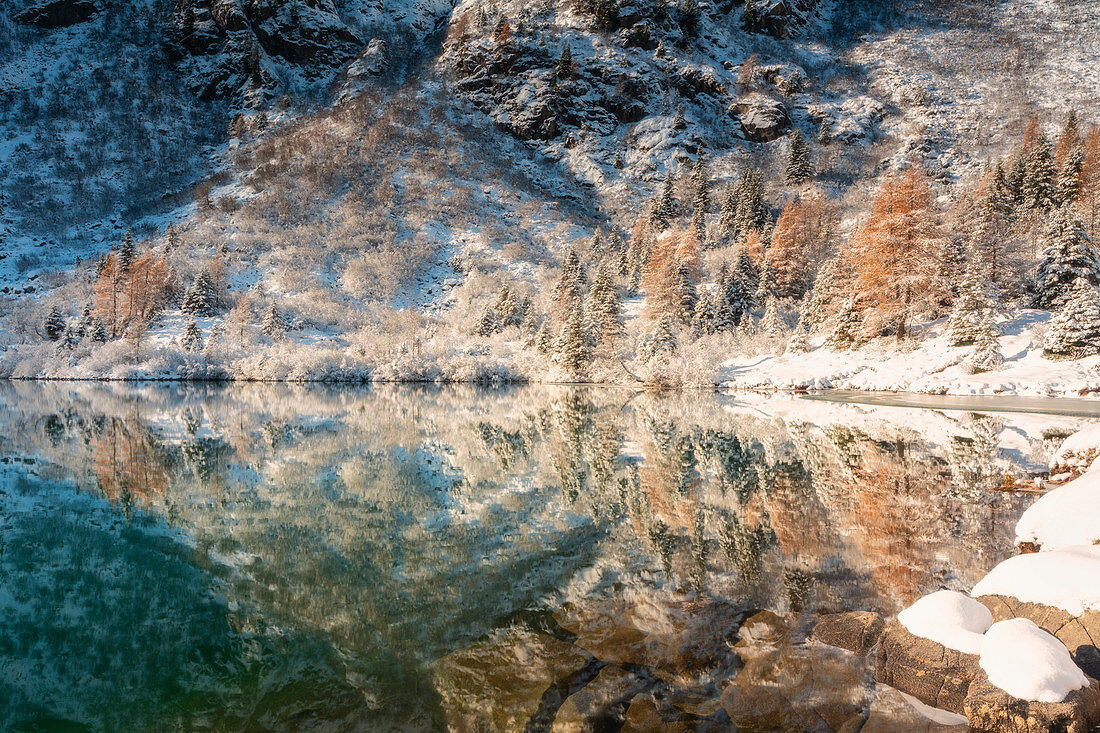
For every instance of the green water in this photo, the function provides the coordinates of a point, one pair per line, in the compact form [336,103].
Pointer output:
[271,557]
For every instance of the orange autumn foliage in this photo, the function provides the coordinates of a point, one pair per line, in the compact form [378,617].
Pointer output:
[898,251]
[127,464]
[129,296]
[799,242]
[674,254]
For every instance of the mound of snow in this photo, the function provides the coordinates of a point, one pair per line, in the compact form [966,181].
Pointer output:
[949,618]
[1078,450]
[1066,516]
[1068,578]
[1028,663]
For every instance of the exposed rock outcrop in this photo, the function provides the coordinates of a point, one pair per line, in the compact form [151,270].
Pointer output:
[927,670]
[989,708]
[58,13]
[762,118]
[856,631]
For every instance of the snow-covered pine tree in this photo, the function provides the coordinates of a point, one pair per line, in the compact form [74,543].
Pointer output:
[705,318]
[544,341]
[986,355]
[1074,332]
[700,178]
[746,329]
[202,298]
[765,286]
[99,332]
[126,252]
[799,342]
[685,289]
[1039,176]
[508,309]
[273,324]
[67,341]
[572,280]
[798,167]
[1068,254]
[741,285]
[659,344]
[54,325]
[86,322]
[827,292]
[772,325]
[487,323]
[192,338]
[1069,177]
[573,348]
[971,307]
[663,207]
[679,121]
[727,217]
[825,131]
[215,341]
[752,210]
[604,305]
[564,68]
[845,332]
[597,246]
[530,326]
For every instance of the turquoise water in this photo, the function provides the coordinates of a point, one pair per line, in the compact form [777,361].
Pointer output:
[271,557]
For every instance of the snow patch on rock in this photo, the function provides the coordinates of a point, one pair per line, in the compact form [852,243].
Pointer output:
[949,618]
[1068,578]
[1028,663]
[1067,516]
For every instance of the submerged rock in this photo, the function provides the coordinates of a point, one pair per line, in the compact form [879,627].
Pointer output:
[602,703]
[500,683]
[856,631]
[927,670]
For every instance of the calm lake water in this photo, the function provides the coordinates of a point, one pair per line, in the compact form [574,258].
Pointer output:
[272,557]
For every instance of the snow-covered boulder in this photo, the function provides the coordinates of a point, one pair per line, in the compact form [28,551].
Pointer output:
[1066,516]
[949,618]
[1077,452]
[929,671]
[1028,682]
[762,118]
[1058,590]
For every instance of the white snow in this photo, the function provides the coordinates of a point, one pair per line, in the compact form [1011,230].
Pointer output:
[1069,515]
[1078,450]
[949,618]
[1068,578]
[1028,663]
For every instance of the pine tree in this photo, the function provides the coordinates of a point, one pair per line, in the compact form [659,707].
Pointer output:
[215,340]
[660,344]
[273,324]
[798,167]
[752,210]
[827,293]
[545,340]
[800,340]
[686,293]
[663,207]
[508,309]
[727,218]
[564,68]
[825,131]
[679,121]
[68,341]
[530,326]
[202,298]
[1038,183]
[126,252]
[992,239]
[54,324]
[725,317]
[1068,254]
[1074,331]
[86,322]
[741,286]
[572,280]
[750,18]
[1069,177]
[99,332]
[487,323]
[986,355]
[746,329]
[971,308]
[705,319]
[192,338]
[772,324]
[845,333]
[701,179]
[574,350]
[604,304]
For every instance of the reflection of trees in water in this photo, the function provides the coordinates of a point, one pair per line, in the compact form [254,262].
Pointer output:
[129,464]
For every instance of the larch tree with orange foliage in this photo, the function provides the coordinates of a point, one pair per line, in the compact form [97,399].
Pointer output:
[129,296]
[800,241]
[897,252]
[672,275]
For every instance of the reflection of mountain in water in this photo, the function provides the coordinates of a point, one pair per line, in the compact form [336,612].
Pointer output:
[276,557]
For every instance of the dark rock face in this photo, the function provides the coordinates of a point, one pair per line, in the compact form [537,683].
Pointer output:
[925,669]
[989,708]
[783,18]
[1080,634]
[856,631]
[762,118]
[57,14]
